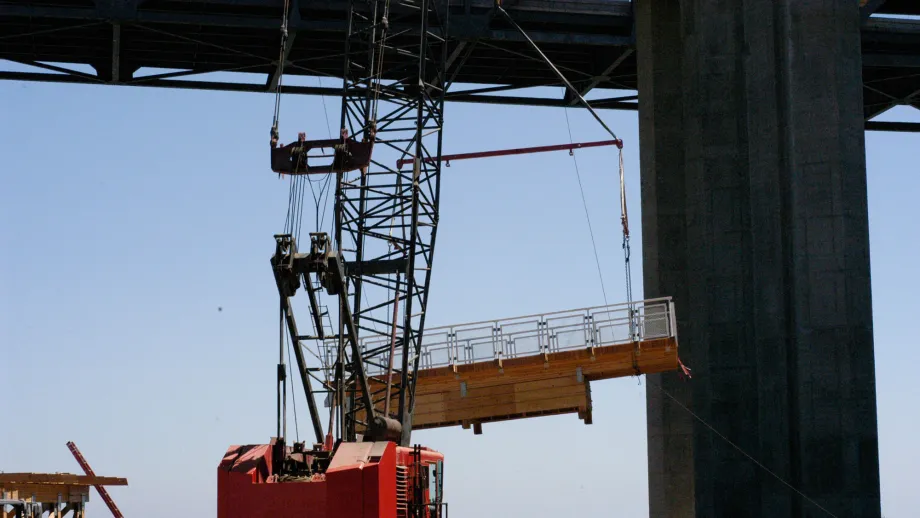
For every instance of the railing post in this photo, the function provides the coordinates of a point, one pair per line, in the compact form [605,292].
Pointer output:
[543,338]
[495,340]
[540,334]
[589,332]
[672,319]
[632,321]
[498,343]
[452,352]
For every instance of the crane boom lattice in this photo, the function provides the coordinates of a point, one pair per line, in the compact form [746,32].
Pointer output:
[378,261]
[386,218]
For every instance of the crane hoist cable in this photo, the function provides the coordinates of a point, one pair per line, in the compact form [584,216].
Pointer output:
[294,219]
[284,37]
[624,220]
[379,51]
[295,193]
[584,203]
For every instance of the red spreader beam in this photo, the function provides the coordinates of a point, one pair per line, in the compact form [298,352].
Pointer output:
[89,471]
[518,151]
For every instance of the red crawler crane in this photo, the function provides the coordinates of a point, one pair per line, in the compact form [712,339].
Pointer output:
[379,258]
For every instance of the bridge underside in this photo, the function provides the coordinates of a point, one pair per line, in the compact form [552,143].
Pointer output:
[188,44]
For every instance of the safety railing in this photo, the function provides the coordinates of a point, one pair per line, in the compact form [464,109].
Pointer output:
[532,335]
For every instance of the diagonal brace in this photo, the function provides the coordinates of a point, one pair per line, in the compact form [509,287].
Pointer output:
[288,37]
[554,69]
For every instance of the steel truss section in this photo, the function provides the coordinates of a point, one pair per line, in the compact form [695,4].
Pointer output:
[386,217]
[591,42]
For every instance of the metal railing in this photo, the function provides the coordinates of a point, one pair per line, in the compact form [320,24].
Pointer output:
[533,335]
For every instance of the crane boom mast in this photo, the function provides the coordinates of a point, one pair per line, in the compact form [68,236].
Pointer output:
[380,255]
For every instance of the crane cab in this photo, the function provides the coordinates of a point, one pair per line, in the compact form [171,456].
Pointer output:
[419,483]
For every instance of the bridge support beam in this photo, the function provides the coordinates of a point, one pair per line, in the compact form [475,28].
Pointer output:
[755,220]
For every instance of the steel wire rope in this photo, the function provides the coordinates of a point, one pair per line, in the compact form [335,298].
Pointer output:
[624,222]
[300,205]
[671,397]
[740,450]
[656,385]
[381,48]
[295,202]
[284,36]
[320,217]
[584,203]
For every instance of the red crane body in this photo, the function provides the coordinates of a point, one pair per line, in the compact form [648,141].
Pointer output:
[361,480]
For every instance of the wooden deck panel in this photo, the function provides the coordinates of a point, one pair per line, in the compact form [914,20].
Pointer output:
[61,478]
[529,386]
[61,494]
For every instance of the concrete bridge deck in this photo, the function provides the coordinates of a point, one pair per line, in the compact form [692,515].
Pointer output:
[183,43]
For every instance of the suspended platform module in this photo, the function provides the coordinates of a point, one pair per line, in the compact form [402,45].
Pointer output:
[534,365]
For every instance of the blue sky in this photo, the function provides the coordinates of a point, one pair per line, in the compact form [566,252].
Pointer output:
[129,215]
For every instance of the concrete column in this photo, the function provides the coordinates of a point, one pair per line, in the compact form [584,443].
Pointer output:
[755,220]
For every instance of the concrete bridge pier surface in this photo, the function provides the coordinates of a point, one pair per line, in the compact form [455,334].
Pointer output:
[754,214]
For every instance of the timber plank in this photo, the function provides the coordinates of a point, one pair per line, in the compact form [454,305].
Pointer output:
[495,395]
[60,478]
[497,418]
[499,408]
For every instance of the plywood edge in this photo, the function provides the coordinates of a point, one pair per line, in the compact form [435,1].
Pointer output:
[60,478]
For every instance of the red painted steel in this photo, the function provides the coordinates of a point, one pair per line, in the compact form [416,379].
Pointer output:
[361,482]
[89,471]
[519,151]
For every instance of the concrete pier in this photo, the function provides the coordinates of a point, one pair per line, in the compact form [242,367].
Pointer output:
[755,219]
